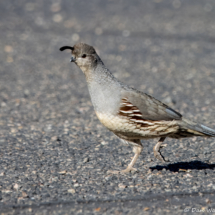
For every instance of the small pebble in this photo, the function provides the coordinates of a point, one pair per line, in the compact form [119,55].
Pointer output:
[86,160]
[71,191]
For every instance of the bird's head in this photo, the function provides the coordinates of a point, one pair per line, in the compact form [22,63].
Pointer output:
[83,55]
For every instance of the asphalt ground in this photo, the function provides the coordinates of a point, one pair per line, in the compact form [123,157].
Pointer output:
[55,154]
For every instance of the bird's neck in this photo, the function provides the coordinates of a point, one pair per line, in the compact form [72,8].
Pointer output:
[103,88]
[99,74]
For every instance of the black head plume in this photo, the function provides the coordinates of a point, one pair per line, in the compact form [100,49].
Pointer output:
[66,47]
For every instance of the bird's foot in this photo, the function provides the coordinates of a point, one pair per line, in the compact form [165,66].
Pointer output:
[156,149]
[113,172]
[159,156]
[127,170]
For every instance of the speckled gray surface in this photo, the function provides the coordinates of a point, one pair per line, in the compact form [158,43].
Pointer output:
[54,153]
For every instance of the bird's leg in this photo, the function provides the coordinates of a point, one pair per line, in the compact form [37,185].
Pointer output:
[156,150]
[137,150]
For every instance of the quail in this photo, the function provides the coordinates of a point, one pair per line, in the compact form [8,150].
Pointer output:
[130,114]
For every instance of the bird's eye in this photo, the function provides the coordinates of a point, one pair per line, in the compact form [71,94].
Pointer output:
[84,55]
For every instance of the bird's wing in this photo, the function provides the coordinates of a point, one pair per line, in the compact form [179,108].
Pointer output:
[138,105]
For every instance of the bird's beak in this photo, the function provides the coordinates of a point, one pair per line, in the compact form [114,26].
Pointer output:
[72,59]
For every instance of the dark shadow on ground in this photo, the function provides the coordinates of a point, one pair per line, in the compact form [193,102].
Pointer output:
[180,166]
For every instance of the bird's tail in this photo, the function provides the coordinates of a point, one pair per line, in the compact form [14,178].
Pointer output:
[189,128]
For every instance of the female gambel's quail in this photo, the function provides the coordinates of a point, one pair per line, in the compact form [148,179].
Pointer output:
[130,114]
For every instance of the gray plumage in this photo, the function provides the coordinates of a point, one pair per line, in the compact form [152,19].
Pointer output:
[130,114]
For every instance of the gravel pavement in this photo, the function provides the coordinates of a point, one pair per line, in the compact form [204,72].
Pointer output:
[55,154]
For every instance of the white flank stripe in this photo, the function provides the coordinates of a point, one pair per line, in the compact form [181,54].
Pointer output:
[142,121]
[134,114]
[128,111]
[137,115]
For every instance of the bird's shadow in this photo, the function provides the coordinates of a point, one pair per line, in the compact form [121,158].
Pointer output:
[183,166]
